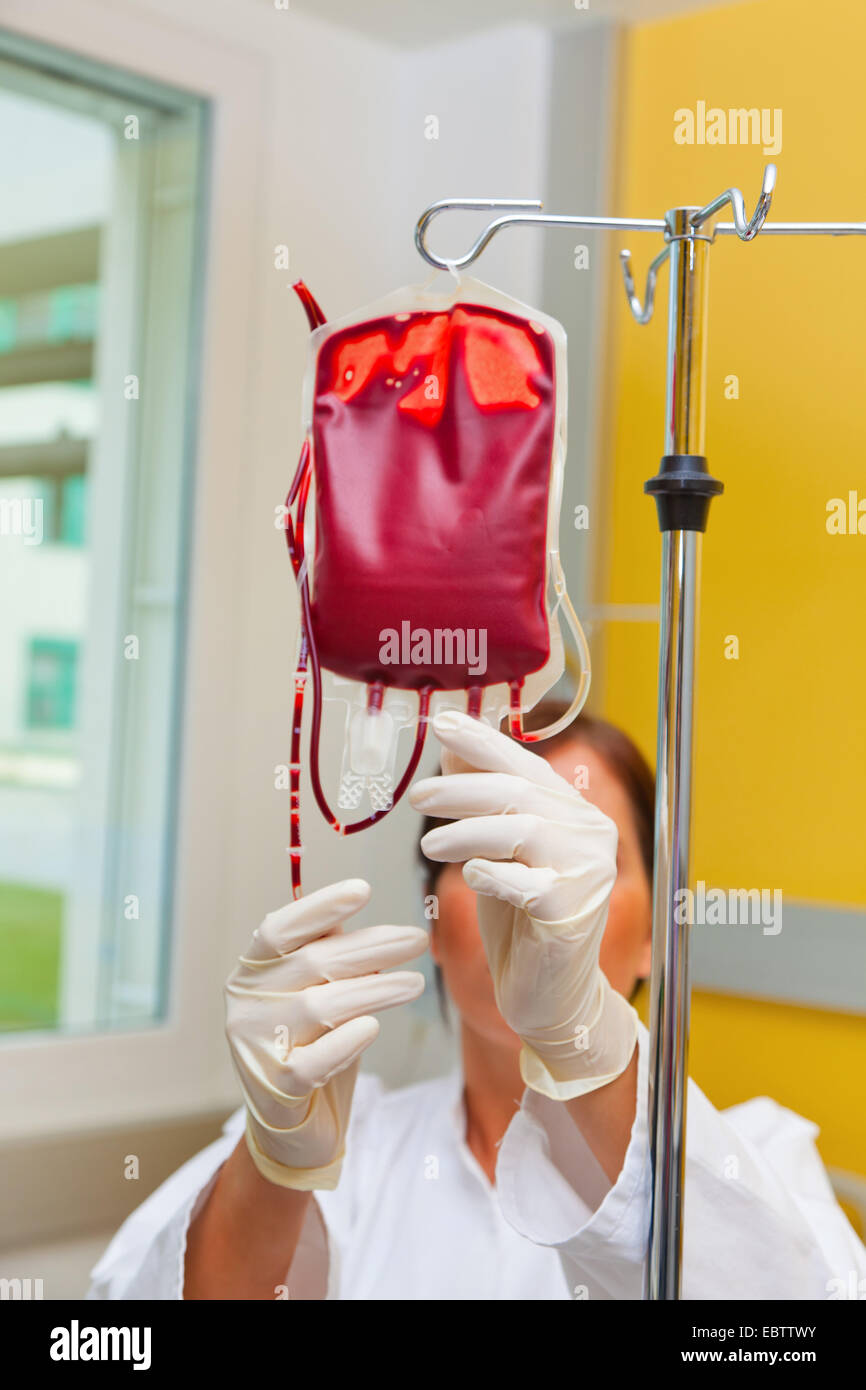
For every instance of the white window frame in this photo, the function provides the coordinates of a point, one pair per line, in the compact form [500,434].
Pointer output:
[54,1083]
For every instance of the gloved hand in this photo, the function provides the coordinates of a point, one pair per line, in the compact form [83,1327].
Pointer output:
[298,1008]
[543,860]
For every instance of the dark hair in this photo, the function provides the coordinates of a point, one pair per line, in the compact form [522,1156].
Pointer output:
[618,752]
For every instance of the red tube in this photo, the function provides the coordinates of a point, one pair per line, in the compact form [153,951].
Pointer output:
[315,317]
[296,849]
[295,542]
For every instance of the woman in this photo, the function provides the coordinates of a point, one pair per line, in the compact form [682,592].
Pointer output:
[526,1175]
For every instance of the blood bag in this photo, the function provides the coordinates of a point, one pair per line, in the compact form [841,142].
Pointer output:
[429,576]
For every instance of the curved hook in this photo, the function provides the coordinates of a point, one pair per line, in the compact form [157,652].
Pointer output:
[470,205]
[747,227]
[642,312]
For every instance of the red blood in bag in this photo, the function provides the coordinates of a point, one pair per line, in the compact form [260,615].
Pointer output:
[433,437]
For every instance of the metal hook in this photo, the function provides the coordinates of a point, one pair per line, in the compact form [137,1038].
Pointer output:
[512,219]
[527,211]
[470,205]
[746,227]
[642,312]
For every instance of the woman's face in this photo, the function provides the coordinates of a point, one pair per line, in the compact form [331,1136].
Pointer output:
[625,949]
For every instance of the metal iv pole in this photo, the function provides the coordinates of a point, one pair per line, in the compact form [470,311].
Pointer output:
[683,490]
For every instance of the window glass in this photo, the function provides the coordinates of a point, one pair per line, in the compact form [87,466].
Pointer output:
[51,684]
[100,271]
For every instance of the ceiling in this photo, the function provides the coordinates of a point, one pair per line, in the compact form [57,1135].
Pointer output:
[418,23]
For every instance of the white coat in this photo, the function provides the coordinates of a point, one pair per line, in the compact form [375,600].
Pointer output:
[415,1217]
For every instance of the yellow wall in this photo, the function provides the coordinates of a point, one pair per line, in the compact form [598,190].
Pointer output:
[781,745]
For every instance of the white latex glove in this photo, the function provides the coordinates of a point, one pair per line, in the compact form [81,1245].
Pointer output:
[298,1008]
[543,861]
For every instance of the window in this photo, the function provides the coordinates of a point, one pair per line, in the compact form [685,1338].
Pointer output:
[51,684]
[100,274]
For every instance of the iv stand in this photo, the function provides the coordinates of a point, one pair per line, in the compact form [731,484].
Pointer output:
[683,490]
